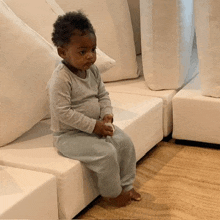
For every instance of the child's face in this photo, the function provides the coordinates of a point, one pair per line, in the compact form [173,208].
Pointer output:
[80,53]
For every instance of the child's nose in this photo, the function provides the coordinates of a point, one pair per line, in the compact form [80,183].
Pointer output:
[90,55]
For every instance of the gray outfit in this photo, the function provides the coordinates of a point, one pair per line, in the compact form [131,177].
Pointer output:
[75,105]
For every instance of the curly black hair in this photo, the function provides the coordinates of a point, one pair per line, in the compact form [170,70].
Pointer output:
[69,24]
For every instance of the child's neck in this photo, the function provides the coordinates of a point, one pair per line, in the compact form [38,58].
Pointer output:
[79,73]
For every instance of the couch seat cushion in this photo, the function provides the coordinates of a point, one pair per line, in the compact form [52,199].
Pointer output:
[139,86]
[26,194]
[196,117]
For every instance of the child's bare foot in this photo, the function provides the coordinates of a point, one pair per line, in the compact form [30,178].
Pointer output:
[135,195]
[122,200]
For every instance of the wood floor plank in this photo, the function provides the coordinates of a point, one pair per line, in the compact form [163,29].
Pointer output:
[177,182]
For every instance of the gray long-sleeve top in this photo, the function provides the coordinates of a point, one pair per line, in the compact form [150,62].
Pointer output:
[76,103]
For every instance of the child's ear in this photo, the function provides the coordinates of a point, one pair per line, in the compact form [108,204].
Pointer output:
[62,52]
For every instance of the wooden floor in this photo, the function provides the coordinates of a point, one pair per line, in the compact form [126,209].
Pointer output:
[177,182]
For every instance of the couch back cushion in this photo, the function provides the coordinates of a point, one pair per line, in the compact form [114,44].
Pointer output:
[134,6]
[112,22]
[26,63]
[40,15]
[207,19]
[35,13]
[167,31]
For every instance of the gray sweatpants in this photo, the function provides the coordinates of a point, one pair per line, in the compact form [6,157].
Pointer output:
[111,158]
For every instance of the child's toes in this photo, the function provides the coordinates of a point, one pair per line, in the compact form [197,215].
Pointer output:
[135,195]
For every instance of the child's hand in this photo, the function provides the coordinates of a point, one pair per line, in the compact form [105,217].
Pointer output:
[102,130]
[108,118]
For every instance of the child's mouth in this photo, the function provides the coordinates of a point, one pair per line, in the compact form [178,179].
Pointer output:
[88,64]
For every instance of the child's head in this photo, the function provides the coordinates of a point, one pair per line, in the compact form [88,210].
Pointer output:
[75,39]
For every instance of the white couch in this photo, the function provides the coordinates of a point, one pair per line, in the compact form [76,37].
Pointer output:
[141,118]
[145,115]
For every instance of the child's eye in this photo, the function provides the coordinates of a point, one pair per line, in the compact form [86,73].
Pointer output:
[83,52]
[94,50]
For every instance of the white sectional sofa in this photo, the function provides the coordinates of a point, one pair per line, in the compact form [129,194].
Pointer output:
[146,115]
[139,116]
